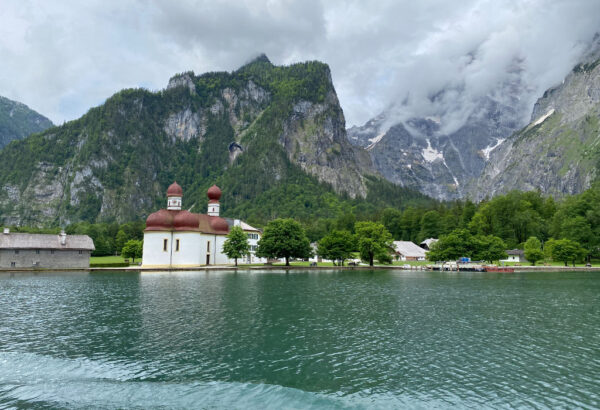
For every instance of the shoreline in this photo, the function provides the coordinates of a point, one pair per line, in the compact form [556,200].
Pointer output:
[418,268]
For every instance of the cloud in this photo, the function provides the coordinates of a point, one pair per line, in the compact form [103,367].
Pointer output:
[411,58]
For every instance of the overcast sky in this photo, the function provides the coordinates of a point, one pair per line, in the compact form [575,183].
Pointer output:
[63,57]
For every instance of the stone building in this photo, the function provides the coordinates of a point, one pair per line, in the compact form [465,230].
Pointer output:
[178,238]
[27,251]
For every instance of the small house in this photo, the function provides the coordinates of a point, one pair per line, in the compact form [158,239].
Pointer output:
[408,251]
[515,255]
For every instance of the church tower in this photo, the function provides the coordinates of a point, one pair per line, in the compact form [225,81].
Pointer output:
[214,194]
[174,195]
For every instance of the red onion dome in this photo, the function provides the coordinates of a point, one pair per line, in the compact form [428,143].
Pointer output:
[186,221]
[219,224]
[174,190]
[159,220]
[213,193]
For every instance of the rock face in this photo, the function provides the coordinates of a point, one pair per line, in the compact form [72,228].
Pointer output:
[558,152]
[250,131]
[418,154]
[314,137]
[18,121]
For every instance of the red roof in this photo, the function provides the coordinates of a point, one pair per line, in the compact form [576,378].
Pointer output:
[161,220]
[185,221]
[214,193]
[174,190]
[170,221]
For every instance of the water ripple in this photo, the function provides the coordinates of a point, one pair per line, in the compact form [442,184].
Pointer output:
[300,340]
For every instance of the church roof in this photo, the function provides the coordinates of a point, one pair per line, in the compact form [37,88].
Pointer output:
[167,220]
[170,220]
[45,241]
[214,194]
[174,190]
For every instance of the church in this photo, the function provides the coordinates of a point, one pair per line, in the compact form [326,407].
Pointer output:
[176,238]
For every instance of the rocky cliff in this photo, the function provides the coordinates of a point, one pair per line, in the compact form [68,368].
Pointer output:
[420,155]
[558,152]
[260,132]
[18,121]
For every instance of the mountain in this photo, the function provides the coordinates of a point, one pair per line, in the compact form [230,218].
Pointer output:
[18,121]
[558,152]
[273,138]
[419,154]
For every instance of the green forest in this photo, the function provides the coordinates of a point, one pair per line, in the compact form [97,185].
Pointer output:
[512,218]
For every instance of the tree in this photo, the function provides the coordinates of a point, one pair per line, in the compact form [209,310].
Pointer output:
[374,241]
[337,246]
[236,245]
[132,249]
[102,247]
[566,250]
[533,250]
[489,248]
[392,220]
[284,238]
[579,230]
[431,223]
[120,239]
[346,221]
[456,244]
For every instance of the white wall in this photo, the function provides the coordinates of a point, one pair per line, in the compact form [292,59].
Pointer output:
[189,253]
[193,249]
[154,255]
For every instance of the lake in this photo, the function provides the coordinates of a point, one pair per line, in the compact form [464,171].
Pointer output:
[303,339]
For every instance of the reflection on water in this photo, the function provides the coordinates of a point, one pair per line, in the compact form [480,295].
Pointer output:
[300,339]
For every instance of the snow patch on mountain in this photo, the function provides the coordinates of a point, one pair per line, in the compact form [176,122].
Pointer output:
[543,117]
[431,154]
[488,150]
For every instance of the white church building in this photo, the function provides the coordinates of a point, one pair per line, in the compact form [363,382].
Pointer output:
[175,238]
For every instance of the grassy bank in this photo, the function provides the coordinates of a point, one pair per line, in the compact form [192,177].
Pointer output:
[111,260]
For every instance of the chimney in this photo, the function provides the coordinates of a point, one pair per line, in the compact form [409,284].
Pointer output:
[6,231]
[63,238]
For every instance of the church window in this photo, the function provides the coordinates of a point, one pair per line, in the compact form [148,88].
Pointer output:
[176,245]
[208,246]
[165,242]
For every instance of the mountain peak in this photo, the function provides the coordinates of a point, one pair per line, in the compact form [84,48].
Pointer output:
[17,121]
[261,59]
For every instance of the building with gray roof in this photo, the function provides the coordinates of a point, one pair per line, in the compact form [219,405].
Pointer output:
[44,251]
[408,251]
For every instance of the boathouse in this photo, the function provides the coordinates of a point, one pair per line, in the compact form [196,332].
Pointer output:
[44,251]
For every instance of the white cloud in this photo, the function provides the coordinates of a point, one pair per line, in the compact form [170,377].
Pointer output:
[63,57]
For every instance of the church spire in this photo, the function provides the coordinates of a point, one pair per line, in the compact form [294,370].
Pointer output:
[174,195]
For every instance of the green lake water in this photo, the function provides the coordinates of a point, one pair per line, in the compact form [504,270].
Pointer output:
[383,339]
